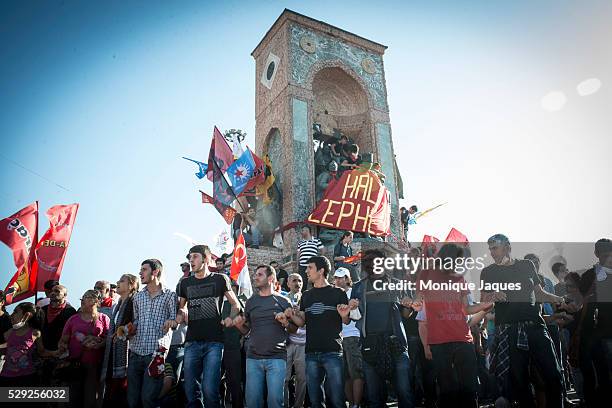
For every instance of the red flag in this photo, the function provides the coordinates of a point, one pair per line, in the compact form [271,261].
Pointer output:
[357,202]
[51,249]
[428,246]
[220,155]
[228,213]
[20,233]
[456,236]
[240,269]
[259,176]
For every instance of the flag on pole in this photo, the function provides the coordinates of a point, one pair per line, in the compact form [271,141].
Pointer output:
[456,236]
[51,249]
[220,155]
[240,268]
[263,188]
[228,213]
[20,233]
[420,214]
[428,246]
[241,171]
[222,191]
[203,168]
[259,175]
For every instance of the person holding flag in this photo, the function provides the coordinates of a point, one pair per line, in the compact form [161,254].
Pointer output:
[202,296]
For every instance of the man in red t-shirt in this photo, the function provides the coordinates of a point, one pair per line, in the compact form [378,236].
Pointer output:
[445,332]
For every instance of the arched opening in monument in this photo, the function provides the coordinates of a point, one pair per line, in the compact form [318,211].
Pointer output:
[339,108]
[340,105]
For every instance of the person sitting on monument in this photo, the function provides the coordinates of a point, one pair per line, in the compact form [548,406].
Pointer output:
[322,157]
[252,236]
[352,160]
[325,178]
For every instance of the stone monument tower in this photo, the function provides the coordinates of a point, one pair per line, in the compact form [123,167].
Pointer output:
[307,72]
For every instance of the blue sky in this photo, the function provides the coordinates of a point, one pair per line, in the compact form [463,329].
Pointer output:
[101,99]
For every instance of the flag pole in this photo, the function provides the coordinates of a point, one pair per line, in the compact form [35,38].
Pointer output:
[228,184]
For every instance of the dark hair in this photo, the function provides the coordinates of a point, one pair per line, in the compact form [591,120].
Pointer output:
[35,322]
[220,259]
[51,283]
[345,137]
[271,262]
[269,270]
[199,249]
[344,235]
[367,261]
[354,149]
[450,252]
[155,264]
[602,246]
[307,226]
[556,268]
[414,207]
[575,277]
[321,262]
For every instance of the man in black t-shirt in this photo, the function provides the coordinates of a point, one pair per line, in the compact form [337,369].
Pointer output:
[521,334]
[323,309]
[202,296]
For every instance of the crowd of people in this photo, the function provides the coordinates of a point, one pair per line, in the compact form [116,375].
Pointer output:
[322,335]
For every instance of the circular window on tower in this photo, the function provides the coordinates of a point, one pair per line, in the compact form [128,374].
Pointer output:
[270,70]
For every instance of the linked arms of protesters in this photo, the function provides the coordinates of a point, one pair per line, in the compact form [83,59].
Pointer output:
[477,307]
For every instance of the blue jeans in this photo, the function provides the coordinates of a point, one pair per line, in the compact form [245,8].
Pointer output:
[326,366]
[203,370]
[142,387]
[401,383]
[270,371]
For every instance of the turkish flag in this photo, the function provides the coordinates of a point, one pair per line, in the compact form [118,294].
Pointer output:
[51,249]
[20,233]
[239,270]
[456,236]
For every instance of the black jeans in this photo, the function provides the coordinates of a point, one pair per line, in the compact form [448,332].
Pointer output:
[542,354]
[456,371]
[232,376]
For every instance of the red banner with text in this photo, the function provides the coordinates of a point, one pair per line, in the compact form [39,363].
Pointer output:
[357,202]
[20,233]
[52,247]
